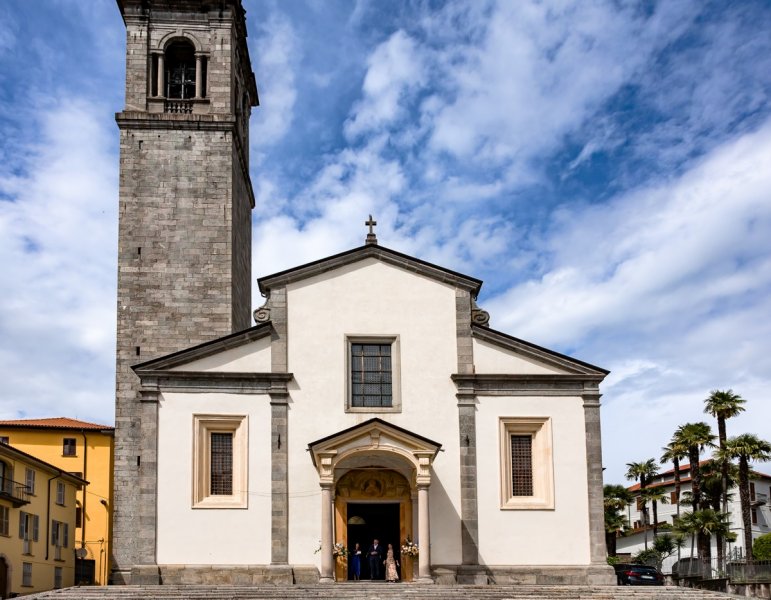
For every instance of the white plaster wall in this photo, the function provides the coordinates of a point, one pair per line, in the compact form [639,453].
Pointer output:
[253,357]
[489,358]
[534,537]
[211,536]
[371,298]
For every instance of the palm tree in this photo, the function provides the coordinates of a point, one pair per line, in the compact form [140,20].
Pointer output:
[642,472]
[654,496]
[746,448]
[616,499]
[712,490]
[674,451]
[696,437]
[723,404]
[701,525]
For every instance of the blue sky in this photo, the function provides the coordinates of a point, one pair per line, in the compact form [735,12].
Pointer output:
[604,167]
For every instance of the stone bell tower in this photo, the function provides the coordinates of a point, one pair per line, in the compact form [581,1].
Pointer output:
[184,249]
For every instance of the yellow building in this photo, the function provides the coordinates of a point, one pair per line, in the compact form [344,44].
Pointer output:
[86,450]
[37,519]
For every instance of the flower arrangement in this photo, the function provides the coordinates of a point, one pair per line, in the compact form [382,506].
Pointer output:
[410,548]
[340,551]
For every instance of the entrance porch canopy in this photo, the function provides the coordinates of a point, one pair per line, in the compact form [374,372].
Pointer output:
[374,443]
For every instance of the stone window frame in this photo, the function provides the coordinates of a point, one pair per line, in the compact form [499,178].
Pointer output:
[540,429]
[396,396]
[203,427]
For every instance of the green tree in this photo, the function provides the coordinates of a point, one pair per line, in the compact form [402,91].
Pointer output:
[643,472]
[723,405]
[761,549]
[664,546]
[712,472]
[616,499]
[674,452]
[654,496]
[747,448]
[696,437]
[701,525]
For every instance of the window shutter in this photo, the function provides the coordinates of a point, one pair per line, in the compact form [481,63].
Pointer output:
[22,523]
[54,530]
[66,541]
[35,527]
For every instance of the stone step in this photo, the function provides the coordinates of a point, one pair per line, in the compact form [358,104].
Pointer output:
[378,591]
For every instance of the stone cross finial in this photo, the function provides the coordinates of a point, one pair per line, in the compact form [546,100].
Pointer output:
[371,237]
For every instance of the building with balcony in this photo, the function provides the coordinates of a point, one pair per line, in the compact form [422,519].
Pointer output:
[86,450]
[37,519]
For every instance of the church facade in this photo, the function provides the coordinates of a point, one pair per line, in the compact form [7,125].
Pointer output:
[370,399]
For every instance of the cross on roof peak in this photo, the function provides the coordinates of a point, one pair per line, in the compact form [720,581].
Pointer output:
[371,237]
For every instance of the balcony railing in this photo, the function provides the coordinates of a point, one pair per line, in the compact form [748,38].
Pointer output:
[180,107]
[758,499]
[13,491]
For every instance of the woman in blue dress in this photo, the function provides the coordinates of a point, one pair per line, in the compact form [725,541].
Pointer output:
[356,562]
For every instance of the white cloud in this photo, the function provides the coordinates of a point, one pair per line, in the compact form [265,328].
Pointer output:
[57,242]
[394,67]
[668,285]
[274,53]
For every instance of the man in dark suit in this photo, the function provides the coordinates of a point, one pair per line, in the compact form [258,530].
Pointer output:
[375,556]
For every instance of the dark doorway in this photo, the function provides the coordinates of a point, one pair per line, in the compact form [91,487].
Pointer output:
[381,521]
[3,578]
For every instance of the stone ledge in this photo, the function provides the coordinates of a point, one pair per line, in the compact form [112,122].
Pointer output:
[232,575]
[525,575]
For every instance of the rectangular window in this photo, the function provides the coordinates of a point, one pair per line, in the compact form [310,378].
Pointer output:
[527,472]
[5,518]
[373,374]
[60,489]
[220,461]
[221,464]
[78,516]
[59,537]
[754,514]
[672,498]
[521,465]
[371,383]
[752,491]
[29,530]
[57,578]
[26,574]
[4,439]
[30,480]
[69,447]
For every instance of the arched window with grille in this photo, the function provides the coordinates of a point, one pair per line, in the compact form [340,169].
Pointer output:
[180,73]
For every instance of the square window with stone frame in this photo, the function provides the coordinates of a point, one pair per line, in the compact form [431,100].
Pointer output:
[527,472]
[220,461]
[373,374]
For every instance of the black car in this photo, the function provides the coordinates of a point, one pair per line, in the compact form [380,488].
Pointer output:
[638,575]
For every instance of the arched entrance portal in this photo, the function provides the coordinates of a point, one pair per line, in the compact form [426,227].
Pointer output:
[373,503]
[374,462]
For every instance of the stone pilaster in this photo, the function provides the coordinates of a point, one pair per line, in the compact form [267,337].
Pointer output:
[279,467]
[467,433]
[597,549]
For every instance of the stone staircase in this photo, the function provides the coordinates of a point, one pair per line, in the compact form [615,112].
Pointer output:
[378,591]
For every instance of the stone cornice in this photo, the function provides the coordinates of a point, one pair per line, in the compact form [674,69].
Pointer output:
[273,384]
[474,385]
[234,340]
[377,252]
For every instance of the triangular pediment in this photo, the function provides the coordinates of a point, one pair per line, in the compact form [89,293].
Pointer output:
[234,352]
[370,251]
[504,354]
[375,440]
